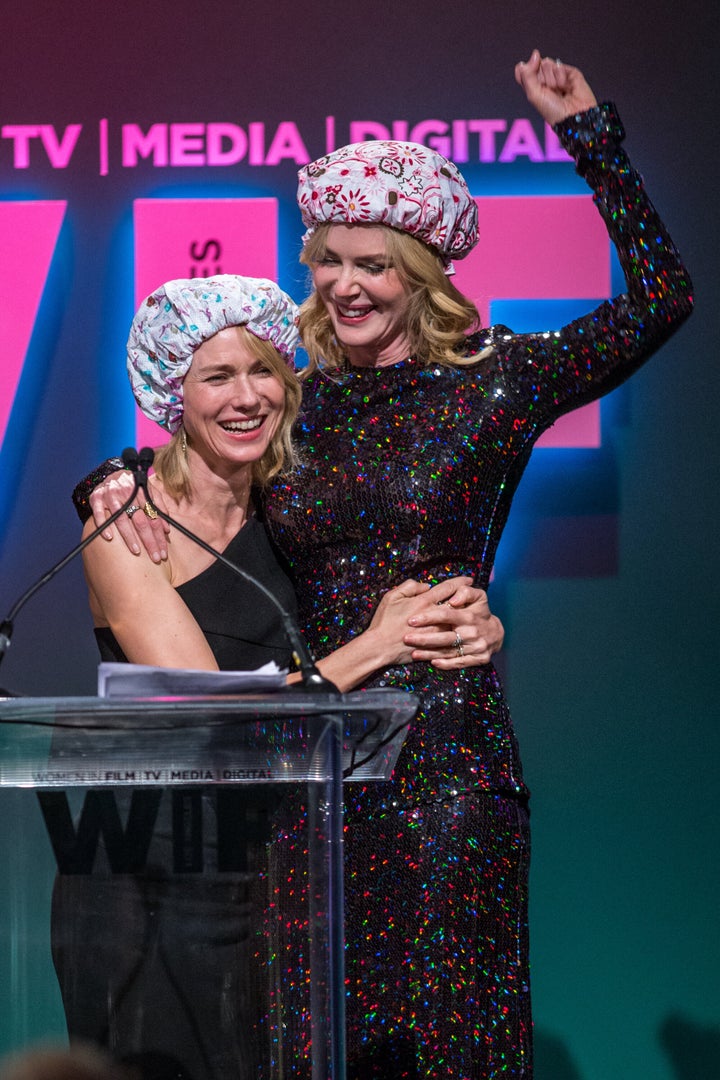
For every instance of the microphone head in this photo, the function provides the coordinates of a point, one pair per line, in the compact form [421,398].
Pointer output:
[130,457]
[146,458]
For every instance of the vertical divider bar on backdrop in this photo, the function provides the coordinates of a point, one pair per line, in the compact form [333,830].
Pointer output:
[28,237]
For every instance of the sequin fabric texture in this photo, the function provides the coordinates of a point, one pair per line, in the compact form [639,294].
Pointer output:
[410,472]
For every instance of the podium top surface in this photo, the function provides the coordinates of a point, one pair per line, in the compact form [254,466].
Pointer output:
[286,736]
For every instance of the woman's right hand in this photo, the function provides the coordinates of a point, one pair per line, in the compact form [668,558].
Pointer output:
[388,627]
[557,90]
[391,638]
[135,529]
[381,644]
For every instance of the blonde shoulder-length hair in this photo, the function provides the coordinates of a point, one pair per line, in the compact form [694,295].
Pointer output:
[439,317]
[171,462]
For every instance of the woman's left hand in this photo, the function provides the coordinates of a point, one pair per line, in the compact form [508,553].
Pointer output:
[456,628]
[556,90]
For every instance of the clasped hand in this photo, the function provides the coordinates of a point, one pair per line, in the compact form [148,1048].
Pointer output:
[449,625]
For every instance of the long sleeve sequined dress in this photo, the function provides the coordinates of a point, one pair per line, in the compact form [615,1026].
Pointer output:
[410,471]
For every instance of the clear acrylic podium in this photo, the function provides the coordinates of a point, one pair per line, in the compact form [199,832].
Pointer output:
[249,786]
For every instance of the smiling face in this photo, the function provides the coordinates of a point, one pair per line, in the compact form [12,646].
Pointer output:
[233,402]
[365,299]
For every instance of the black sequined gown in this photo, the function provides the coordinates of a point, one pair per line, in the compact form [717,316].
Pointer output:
[410,472]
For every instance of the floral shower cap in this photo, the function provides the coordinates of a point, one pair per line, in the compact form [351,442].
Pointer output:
[403,185]
[177,318]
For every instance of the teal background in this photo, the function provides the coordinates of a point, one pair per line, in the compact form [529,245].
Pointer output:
[606,579]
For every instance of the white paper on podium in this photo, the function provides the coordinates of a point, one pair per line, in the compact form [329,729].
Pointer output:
[143,680]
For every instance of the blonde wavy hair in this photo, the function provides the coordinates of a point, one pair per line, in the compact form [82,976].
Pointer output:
[439,317]
[171,463]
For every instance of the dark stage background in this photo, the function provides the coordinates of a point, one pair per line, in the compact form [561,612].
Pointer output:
[606,580]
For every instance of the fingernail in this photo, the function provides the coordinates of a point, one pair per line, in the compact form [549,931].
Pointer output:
[136,549]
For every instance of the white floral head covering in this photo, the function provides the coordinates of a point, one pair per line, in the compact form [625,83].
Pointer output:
[172,322]
[404,185]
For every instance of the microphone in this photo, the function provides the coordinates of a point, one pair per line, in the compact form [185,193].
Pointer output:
[139,464]
[311,678]
[8,624]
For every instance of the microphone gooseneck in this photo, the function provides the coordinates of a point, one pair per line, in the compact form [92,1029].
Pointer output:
[8,624]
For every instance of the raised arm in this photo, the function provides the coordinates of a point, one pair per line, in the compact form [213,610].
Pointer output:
[558,370]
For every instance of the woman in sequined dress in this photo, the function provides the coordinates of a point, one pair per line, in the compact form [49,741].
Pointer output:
[415,437]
